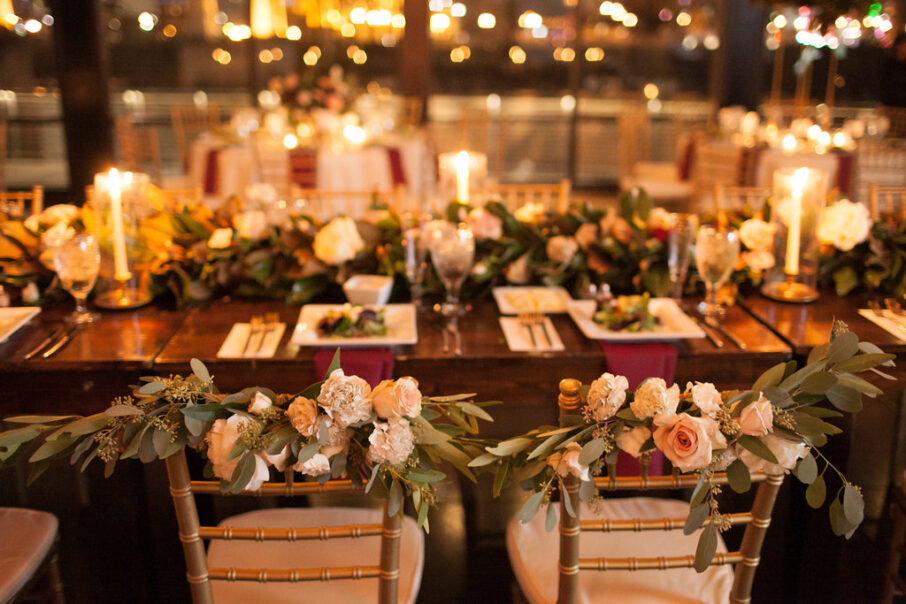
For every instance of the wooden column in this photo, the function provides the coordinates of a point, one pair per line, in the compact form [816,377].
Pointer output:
[576,73]
[415,54]
[83,72]
[735,70]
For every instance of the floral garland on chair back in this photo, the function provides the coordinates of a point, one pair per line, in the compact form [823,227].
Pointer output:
[389,440]
[776,426]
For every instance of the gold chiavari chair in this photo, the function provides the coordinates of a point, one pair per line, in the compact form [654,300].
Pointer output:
[554,197]
[882,163]
[732,198]
[29,553]
[19,204]
[262,556]
[548,574]
[139,147]
[324,204]
[189,122]
[886,201]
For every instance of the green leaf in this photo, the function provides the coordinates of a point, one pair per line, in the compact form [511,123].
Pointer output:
[530,507]
[819,382]
[778,396]
[324,434]
[374,473]
[707,547]
[845,398]
[551,520]
[567,500]
[842,348]
[862,362]
[769,378]
[37,419]
[817,353]
[739,477]
[840,524]
[308,451]
[151,388]
[807,469]
[52,447]
[334,365]
[483,460]
[853,505]
[395,498]
[816,492]
[809,425]
[194,426]
[423,516]
[628,415]
[338,466]
[19,435]
[510,446]
[123,410]
[699,492]
[591,451]
[856,383]
[82,426]
[530,470]
[36,470]
[797,378]
[500,475]
[845,279]
[161,441]
[756,446]
[146,452]
[475,410]
[200,371]
[426,476]
[133,443]
[243,473]
[588,491]
[696,518]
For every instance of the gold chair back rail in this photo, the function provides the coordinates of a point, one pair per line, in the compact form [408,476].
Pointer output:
[658,563]
[654,524]
[674,481]
[294,575]
[228,533]
[285,489]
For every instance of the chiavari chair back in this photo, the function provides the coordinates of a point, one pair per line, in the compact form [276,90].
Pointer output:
[618,527]
[189,122]
[732,198]
[887,202]
[139,147]
[264,555]
[879,163]
[20,204]
[554,197]
[324,204]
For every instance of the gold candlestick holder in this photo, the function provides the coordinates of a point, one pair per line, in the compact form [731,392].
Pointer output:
[790,290]
[124,295]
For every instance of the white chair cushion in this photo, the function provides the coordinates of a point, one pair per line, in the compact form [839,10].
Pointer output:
[659,189]
[25,538]
[534,554]
[361,551]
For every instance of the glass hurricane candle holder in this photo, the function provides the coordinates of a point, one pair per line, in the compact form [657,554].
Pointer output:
[461,173]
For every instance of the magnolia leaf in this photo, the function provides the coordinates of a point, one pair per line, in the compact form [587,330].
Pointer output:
[845,398]
[696,518]
[567,500]
[739,477]
[530,507]
[483,460]
[842,348]
[510,446]
[853,505]
[707,547]
[845,279]
[863,361]
[473,409]
[857,383]
[818,382]
[754,445]
[551,521]
[769,378]
[151,388]
[591,451]
[200,371]
[807,469]
[334,365]
[588,491]
[816,492]
[500,477]
[374,473]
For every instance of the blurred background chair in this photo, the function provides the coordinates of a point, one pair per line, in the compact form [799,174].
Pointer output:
[749,201]
[21,204]
[189,122]
[139,148]
[886,201]
[554,197]
[28,557]
[324,204]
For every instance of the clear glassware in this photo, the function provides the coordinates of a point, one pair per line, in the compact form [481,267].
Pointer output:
[414,238]
[77,262]
[715,256]
[679,250]
[452,253]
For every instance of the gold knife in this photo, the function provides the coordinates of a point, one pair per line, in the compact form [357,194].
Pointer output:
[45,342]
[61,342]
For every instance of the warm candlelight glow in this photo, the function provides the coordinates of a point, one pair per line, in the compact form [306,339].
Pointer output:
[791,266]
[462,176]
[115,189]
[789,143]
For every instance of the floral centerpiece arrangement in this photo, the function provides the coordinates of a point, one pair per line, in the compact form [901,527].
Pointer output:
[390,439]
[778,425]
[319,98]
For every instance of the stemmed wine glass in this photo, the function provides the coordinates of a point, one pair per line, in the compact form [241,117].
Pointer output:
[77,262]
[452,253]
[715,255]
[679,247]
[415,249]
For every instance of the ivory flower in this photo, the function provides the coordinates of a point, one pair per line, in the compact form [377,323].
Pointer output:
[518,270]
[606,395]
[260,403]
[221,239]
[397,398]
[303,415]
[561,249]
[653,398]
[251,225]
[261,473]
[688,442]
[631,441]
[785,450]
[391,442]
[756,234]
[56,235]
[317,465]
[567,462]
[337,440]
[346,398]
[706,397]
[844,225]
[757,260]
[220,439]
[586,235]
[278,460]
[758,418]
[530,213]
[338,242]
[484,225]
[660,219]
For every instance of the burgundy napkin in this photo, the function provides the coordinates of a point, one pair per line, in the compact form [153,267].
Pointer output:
[303,168]
[844,171]
[212,163]
[396,166]
[370,364]
[638,362]
[687,159]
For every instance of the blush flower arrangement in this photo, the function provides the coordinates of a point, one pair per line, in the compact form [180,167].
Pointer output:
[777,426]
[390,440]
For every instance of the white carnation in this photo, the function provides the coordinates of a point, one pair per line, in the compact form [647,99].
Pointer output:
[756,234]
[317,465]
[346,399]
[391,442]
[338,242]
[844,225]
[606,395]
[653,399]
[706,397]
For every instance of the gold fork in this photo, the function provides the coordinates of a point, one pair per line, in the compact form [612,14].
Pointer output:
[256,328]
[528,320]
[271,320]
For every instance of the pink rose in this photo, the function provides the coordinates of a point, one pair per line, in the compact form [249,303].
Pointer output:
[484,225]
[303,415]
[586,235]
[688,442]
[757,419]
[397,398]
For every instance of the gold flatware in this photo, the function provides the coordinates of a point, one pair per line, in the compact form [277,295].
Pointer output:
[542,321]
[45,342]
[256,328]
[715,324]
[271,320]
[709,333]
[67,337]
[527,320]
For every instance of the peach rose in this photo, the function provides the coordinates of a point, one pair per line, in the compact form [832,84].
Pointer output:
[586,235]
[758,418]
[484,225]
[303,415]
[397,398]
[688,442]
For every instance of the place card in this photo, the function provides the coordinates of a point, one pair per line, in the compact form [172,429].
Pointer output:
[518,340]
[234,346]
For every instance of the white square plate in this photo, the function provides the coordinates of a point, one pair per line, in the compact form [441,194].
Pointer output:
[512,300]
[11,319]
[675,324]
[400,320]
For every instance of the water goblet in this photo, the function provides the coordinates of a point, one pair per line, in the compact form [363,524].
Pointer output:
[679,248]
[715,255]
[415,251]
[77,261]
[452,253]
